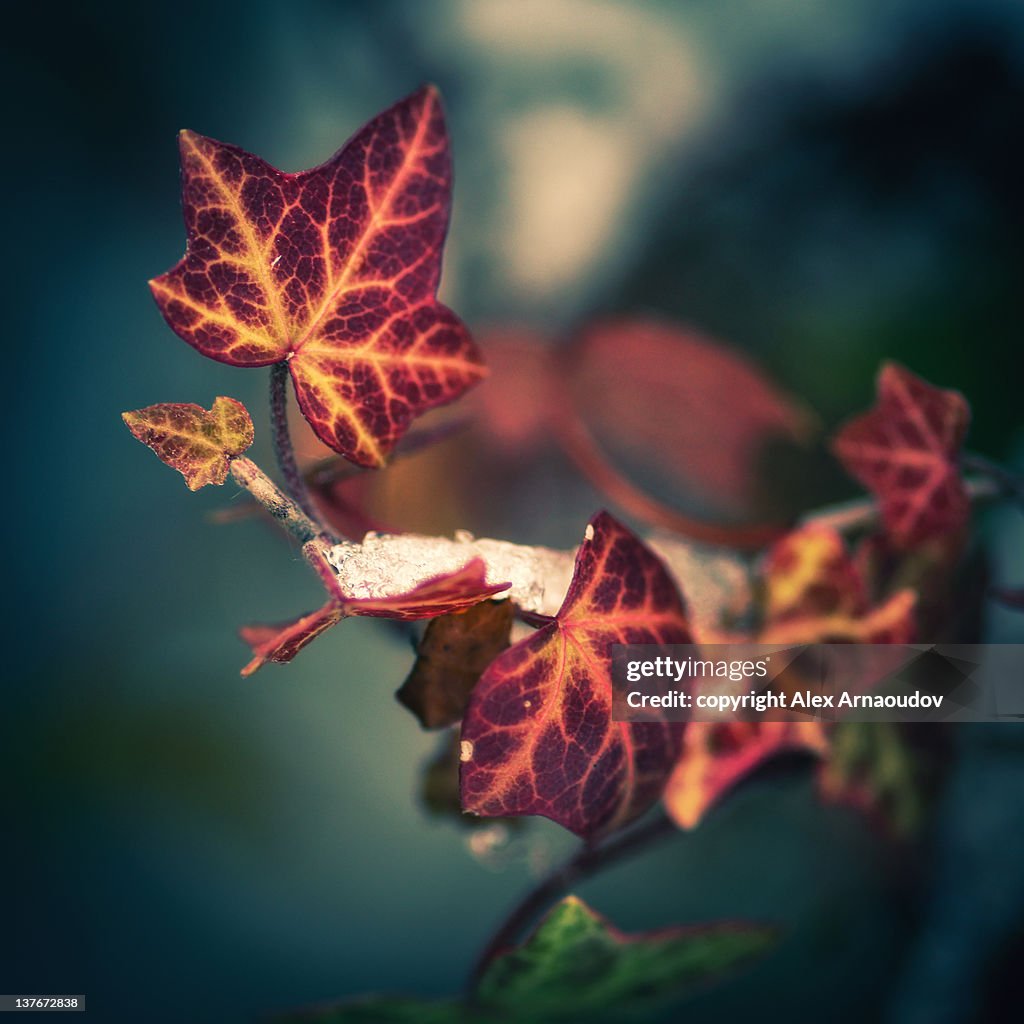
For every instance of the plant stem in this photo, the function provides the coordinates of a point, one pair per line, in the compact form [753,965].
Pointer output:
[274,500]
[334,469]
[583,864]
[283,450]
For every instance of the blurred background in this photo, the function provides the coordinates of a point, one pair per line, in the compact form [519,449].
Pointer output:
[819,185]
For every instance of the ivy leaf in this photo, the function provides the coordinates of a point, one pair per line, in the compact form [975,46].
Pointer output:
[440,595]
[445,594]
[717,756]
[538,737]
[199,444]
[438,789]
[451,657]
[812,591]
[623,375]
[281,642]
[905,450]
[815,593]
[809,572]
[333,270]
[577,966]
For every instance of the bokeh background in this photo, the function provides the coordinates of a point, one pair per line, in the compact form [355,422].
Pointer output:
[821,185]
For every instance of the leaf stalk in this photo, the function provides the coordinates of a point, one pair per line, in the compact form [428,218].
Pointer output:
[284,451]
[584,863]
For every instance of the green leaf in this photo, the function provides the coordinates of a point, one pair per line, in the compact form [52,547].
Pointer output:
[575,966]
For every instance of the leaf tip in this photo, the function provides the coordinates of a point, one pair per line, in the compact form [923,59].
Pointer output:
[428,93]
[251,667]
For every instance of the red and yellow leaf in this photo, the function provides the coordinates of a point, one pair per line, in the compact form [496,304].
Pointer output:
[333,270]
[810,571]
[717,756]
[905,451]
[892,622]
[814,593]
[198,443]
[538,736]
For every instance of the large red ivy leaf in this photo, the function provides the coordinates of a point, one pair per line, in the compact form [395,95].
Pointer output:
[198,444]
[538,736]
[334,270]
[441,595]
[905,450]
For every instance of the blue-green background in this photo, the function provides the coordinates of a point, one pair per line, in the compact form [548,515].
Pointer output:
[823,185]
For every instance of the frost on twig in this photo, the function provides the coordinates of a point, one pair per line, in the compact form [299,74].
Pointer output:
[384,565]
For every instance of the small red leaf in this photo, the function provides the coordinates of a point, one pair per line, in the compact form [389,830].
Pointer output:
[538,737]
[282,642]
[905,451]
[197,443]
[442,595]
[333,270]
